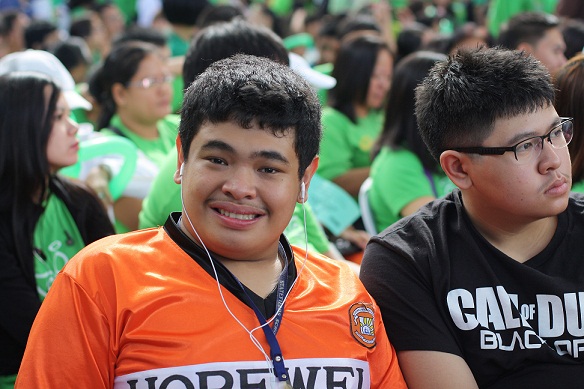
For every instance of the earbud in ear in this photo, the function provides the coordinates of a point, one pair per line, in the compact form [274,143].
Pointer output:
[182,166]
[302,191]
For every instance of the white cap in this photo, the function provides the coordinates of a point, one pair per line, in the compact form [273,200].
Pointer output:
[317,79]
[41,61]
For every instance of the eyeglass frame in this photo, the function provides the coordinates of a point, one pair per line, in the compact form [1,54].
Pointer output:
[483,150]
[150,82]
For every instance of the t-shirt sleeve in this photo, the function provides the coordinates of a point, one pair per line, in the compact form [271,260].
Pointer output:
[409,307]
[404,180]
[385,370]
[335,149]
[69,327]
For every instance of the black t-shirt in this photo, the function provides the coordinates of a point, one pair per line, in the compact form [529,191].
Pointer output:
[442,287]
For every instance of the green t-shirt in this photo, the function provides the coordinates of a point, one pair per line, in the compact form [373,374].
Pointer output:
[398,179]
[164,198]
[325,68]
[317,240]
[346,145]
[177,93]
[178,46]
[164,195]
[56,239]
[578,187]
[7,381]
[500,11]
[155,149]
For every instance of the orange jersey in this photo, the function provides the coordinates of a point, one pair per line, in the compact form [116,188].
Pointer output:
[135,311]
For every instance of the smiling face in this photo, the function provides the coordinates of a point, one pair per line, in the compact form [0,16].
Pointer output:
[505,191]
[62,146]
[239,188]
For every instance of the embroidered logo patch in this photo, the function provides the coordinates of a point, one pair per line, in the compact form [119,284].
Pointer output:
[362,318]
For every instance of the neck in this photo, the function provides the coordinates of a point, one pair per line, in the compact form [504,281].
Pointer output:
[260,276]
[520,240]
[184,31]
[361,110]
[145,129]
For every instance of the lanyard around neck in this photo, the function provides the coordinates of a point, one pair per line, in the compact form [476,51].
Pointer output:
[270,332]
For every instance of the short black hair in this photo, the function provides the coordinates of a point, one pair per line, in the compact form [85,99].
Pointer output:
[183,12]
[526,27]
[460,100]
[223,40]
[72,52]
[36,32]
[142,34]
[250,90]
[218,13]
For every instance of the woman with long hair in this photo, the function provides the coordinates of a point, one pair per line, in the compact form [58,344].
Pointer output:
[404,174]
[45,219]
[354,117]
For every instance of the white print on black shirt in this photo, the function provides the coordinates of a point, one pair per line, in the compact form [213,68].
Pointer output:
[505,324]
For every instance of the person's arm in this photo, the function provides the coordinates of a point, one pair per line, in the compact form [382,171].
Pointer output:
[416,323]
[127,210]
[435,370]
[359,238]
[352,180]
[418,203]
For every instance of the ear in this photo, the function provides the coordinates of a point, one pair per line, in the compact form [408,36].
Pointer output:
[119,94]
[524,46]
[455,165]
[308,173]
[179,162]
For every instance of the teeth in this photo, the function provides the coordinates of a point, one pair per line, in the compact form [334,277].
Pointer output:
[236,215]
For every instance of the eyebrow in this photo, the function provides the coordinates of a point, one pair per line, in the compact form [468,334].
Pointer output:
[265,154]
[532,134]
[273,155]
[218,145]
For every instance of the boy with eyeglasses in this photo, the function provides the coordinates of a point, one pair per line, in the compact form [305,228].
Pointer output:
[485,287]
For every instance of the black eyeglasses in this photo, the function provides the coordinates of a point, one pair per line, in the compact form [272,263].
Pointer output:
[529,149]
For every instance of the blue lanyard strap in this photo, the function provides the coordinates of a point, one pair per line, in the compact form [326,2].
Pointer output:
[270,333]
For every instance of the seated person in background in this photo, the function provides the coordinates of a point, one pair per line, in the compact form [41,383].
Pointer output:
[135,93]
[538,34]
[354,118]
[405,176]
[44,218]
[569,102]
[249,137]
[484,287]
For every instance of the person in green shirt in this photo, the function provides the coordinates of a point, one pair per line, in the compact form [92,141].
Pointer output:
[404,174]
[45,219]
[500,11]
[568,102]
[134,85]
[352,121]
